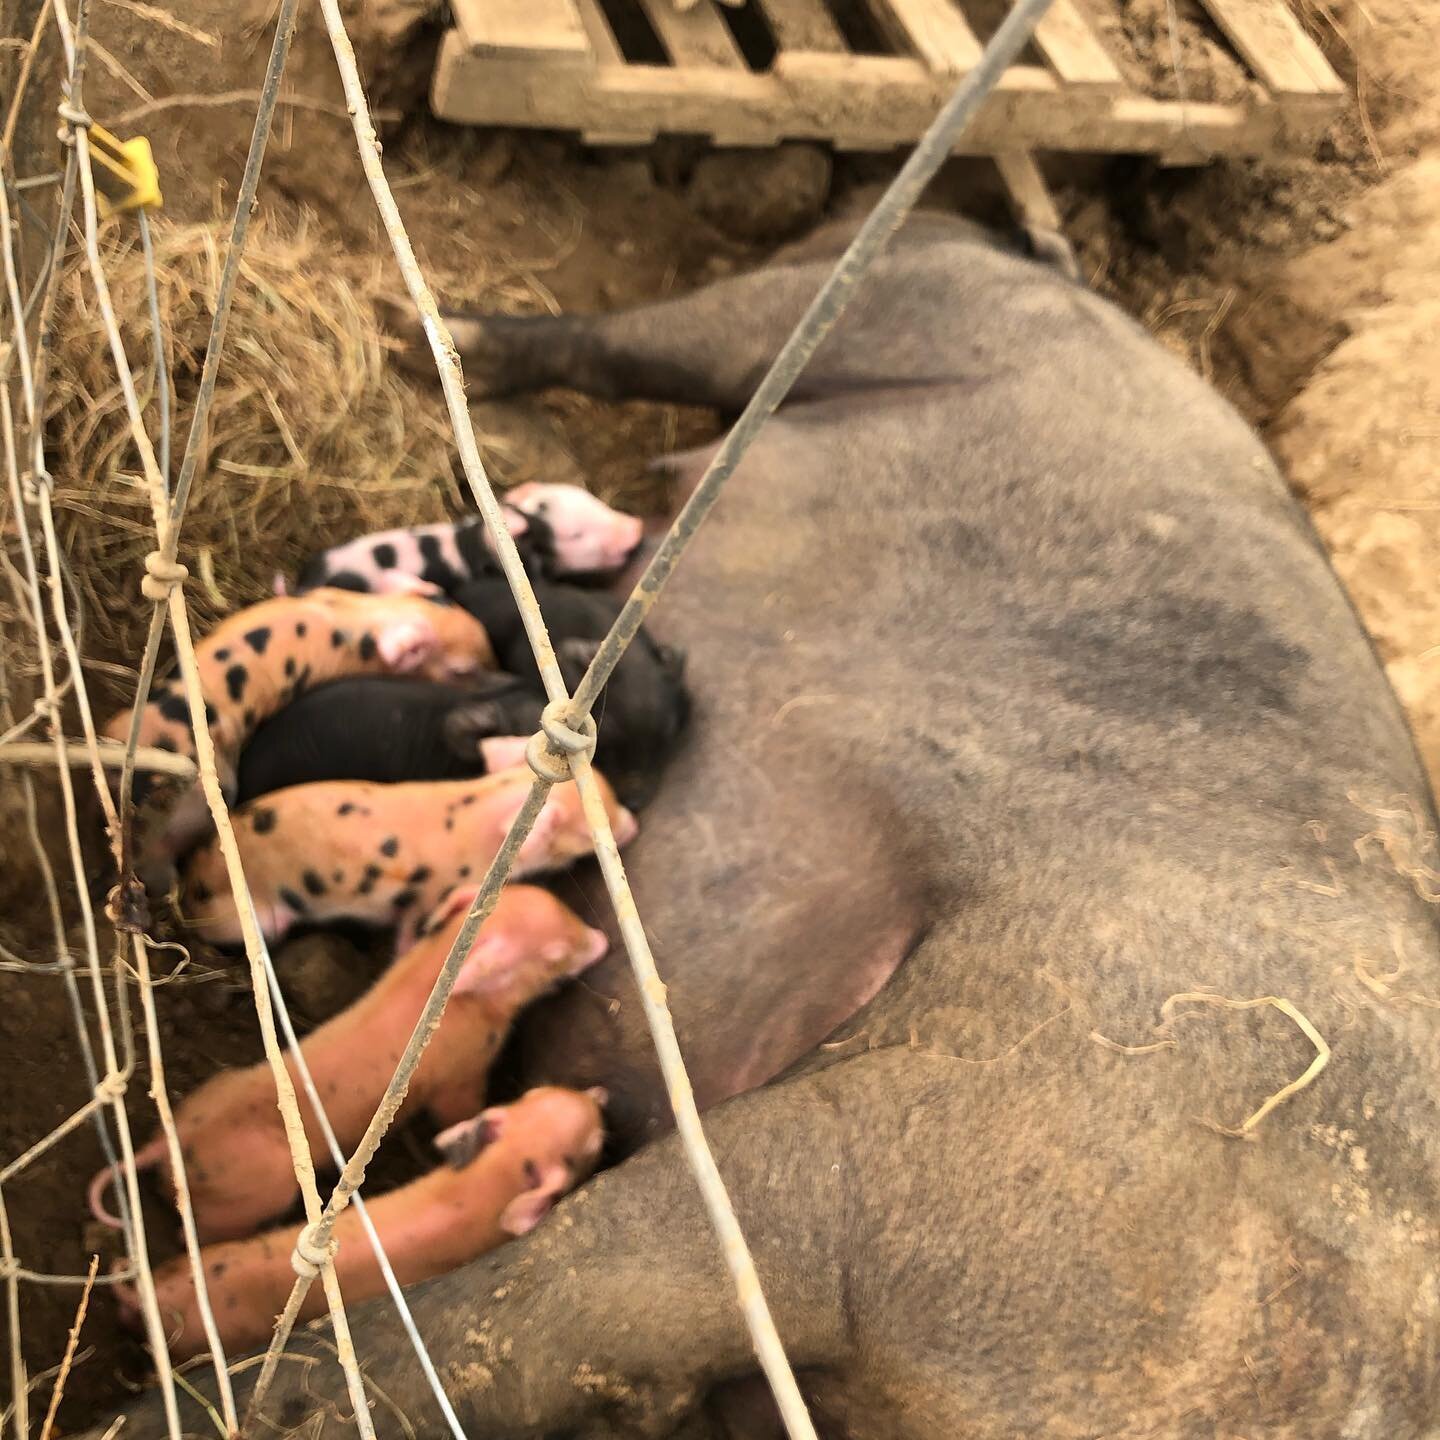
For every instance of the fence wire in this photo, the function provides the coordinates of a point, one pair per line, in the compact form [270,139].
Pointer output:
[559,752]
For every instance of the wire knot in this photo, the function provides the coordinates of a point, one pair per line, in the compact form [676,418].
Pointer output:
[112,1087]
[9,1268]
[551,746]
[161,576]
[46,710]
[72,118]
[309,1255]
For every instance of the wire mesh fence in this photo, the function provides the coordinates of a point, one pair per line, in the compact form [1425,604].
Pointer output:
[115,951]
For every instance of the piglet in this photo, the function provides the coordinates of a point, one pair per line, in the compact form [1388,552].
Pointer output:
[391,729]
[507,1168]
[237,1158]
[642,711]
[382,855]
[559,530]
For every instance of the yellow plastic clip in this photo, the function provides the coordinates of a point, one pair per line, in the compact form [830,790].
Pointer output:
[125,173]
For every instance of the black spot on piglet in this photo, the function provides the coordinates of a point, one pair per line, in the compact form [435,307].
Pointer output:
[235,678]
[368,879]
[289,667]
[290,898]
[258,638]
[390,847]
[419,875]
[314,885]
[385,556]
[346,808]
[367,646]
[263,820]
[404,898]
[174,708]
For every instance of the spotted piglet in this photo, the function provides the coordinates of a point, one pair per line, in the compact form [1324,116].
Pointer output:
[559,530]
[507,1168]
[259,658]
[381,854]
[237,1158]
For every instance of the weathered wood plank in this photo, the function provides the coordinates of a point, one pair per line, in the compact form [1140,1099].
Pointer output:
[934,30]
[598,32]
[1272,42]
[803,25]
[1029,195]
[1074,50]
[697,36]
[524,30]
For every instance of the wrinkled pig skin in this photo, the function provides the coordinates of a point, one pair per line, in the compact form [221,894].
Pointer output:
[237,1158]
[381,855]
[1014,658]
[528,1156]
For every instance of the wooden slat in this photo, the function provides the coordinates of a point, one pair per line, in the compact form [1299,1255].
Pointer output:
[1272,43]
[803,25]
[1029,195]
[523,30]
[1075,52]
[694,37]
[597,30]
[934,29]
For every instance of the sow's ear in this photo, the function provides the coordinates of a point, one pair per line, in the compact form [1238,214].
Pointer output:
[470,723]
[461,1143]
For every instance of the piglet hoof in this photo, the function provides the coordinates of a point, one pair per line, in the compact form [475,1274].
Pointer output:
[503,752]
[127,1301]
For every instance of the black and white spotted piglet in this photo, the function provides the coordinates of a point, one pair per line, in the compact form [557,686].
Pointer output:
[560,530]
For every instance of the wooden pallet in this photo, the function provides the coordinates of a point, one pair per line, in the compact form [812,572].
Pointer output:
[556,64]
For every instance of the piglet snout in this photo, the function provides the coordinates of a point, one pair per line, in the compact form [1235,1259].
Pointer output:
[625,826]
[591,950]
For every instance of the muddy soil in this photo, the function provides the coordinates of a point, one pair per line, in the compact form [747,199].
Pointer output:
[1220,263]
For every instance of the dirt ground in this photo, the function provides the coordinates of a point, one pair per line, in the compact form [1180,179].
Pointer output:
[1304,290]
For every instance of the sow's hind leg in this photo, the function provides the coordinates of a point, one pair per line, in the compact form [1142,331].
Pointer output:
[712,347]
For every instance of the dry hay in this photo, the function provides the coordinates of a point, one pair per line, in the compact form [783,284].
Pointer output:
[312,437]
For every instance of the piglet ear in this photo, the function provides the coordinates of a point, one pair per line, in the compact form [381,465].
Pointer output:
[461,1143]
[279,585]
[401,582]
[468,725]
[599,1094]
[531,1206]
[517,522]
[488,967]
[405,645]
[575,655]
